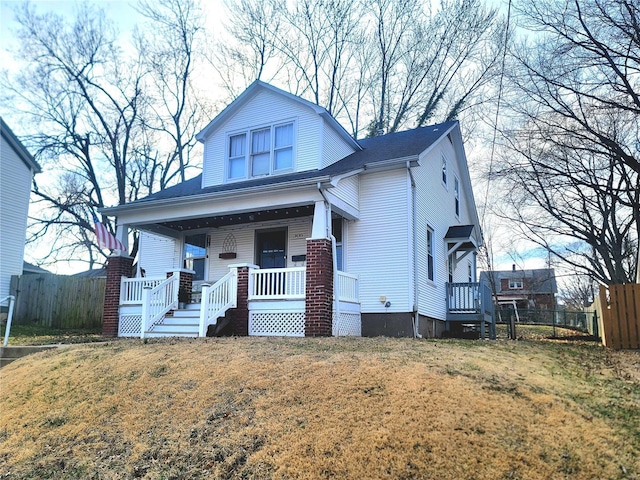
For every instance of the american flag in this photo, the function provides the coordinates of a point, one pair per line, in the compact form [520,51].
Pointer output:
[105,239]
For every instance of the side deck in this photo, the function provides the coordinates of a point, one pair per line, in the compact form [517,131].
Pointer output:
[470,304]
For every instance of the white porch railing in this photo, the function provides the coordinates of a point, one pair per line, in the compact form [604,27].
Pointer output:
[131,288]
[277,283]
[348,287]
[217,299]
[157,301]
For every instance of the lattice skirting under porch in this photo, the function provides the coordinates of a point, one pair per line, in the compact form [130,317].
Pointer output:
[349,324]
[129,325]
[283,324]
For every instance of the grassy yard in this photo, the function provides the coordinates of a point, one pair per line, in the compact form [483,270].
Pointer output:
[38,335]
[323,408]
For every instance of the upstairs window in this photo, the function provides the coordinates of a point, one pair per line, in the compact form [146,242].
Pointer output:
[237,156]
[515,284]
[456,190]
[270,151]
[444,170]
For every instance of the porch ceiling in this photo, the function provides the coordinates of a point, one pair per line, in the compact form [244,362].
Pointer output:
[182,225]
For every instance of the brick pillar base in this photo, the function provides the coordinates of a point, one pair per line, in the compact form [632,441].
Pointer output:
[240,315]
[186,284]
[319,289]
[117,267]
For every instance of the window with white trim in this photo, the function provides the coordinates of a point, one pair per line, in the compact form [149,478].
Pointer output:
[195,254]
[456,190]
[430,254]
[515,284]
[444,170]
[260,152]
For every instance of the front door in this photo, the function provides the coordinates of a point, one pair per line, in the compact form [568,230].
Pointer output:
[271,248]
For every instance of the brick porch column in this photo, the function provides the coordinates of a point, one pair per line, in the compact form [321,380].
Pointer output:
[240,314]
[186,280]
[117,267]
[319,288]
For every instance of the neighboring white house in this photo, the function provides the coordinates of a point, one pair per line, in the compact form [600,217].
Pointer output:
[288,197]
[17,168]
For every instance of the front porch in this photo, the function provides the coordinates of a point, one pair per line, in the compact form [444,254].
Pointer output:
[248,300]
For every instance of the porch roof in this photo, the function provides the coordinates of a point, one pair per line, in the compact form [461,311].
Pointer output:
[376,152]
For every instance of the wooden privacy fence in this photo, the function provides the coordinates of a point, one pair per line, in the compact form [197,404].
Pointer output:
[58,301]
[618,310]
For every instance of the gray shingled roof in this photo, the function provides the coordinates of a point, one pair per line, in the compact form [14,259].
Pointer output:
[378,149]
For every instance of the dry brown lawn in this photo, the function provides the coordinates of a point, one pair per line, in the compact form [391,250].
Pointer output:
[322,408]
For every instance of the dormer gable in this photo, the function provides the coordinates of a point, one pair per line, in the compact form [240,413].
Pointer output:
[267,132]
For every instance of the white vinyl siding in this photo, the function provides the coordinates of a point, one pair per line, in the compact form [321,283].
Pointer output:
[159,254]
[334,147]
[348,190]
[435,209]
[377,243]
[266,108]
[15,188]
[298,231]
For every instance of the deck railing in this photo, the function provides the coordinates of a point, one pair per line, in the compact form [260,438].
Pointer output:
[348,287]
[217,299]
[470,297]
[131,288]
[277,283]
[157,301]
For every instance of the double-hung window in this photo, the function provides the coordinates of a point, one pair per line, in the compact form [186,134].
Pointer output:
[259,152]
[444,170]
[237,156]
[456,190]
[430,254]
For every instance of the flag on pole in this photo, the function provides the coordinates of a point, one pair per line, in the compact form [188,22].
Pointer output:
[105,239]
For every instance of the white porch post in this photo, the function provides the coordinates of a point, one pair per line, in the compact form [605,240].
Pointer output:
[321,220]
[122,234]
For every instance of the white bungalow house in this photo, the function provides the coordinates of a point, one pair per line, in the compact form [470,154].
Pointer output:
[17,168]
[294,228]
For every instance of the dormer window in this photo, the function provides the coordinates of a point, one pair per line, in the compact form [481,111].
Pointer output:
[270,152]
[515,284]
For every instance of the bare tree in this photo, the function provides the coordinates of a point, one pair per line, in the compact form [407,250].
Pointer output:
[170,53]
[572,146]
[94,125]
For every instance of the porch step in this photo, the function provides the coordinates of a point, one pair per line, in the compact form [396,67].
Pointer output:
[184,323]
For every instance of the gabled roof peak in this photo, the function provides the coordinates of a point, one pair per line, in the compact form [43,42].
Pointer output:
[257,86]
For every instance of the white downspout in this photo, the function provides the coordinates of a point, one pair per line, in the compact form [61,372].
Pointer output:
[336,300]
[416,316]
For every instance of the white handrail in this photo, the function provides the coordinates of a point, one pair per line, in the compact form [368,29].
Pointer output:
[217,299]
[12,301]
[131,288]
[348,287]
[277,283]
[157,301]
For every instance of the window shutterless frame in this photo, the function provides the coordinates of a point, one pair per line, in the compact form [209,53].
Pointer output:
[260,151]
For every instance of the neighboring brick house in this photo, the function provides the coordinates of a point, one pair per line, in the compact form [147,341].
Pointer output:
[529,289]
[295,228]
